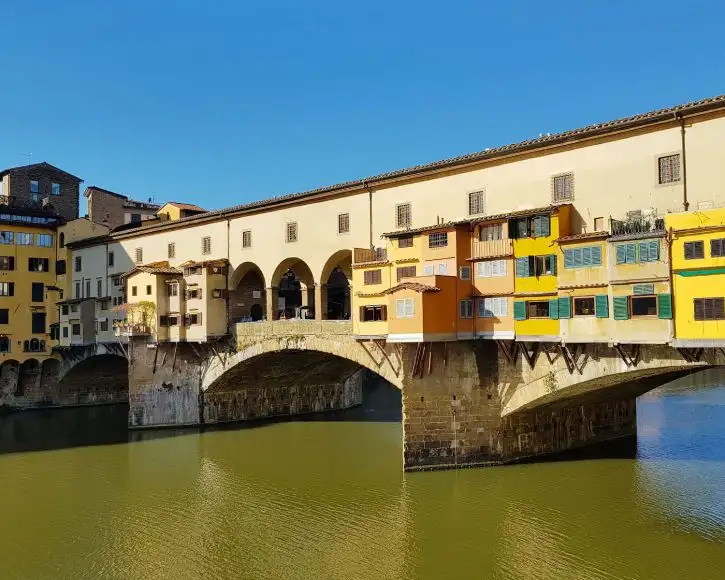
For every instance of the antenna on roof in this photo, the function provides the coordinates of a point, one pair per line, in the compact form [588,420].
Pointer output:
[28,155]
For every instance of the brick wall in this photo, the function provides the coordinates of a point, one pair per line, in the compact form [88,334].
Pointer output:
[65,205]
[105,208]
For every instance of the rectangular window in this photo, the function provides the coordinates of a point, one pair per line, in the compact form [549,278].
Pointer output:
[694,250]
[247,239]
[193,293]
[173,289]
[443,269]
[373,313]
[709,308]
[65,332]
[148,290]
[538,309]
[371,277]
[194,318]
[717,248]
[598,224]
[7,237]
[55,188]
[54,332]
[490,233]
[206,245]
[668,168]
[22,239]
[99,287]
[37,292]
[475,203]
[38,322]
[7,288]
[343,223]
[75,329]
[134,291]
[103,326]
[138,254]
[403,215]
[117,281]
[438,240]
[135,218]
[644,305]
[428,270]
[110,259]
[7,263]
[60,267]
[543,265]
[38,264]
[586,257]
[491,269]
[584,306]
[4,316]
[77,288]
[171,250]
[44,240]
[404,308]
[192,271]
[406,242]
[466,308]
[78,264]
[34,186]
[292,232]
[88,288]
[562,187]
[405,272]
[465,272]
[494,306]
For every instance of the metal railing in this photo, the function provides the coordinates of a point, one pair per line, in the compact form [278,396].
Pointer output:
[637,225]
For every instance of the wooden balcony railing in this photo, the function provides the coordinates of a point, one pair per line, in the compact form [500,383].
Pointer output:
[363,255]
[492,248]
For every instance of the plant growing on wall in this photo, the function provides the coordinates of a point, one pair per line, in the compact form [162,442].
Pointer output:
[139,315]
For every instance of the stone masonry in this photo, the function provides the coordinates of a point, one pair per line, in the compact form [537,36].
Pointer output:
[65,205]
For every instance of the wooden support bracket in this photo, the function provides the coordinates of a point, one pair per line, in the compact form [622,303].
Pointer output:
[691,355]
[530,356]
[631,359]
[509,352]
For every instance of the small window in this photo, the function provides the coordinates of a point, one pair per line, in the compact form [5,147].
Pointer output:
[38,264]
[88,289]
[38,323]
[194,318]
[668,169]
[55,188]
[4,316]
[173,289]
[77,293]
[404,308]
[465,272]
[584,306]
[37,292]
[373,313]
[694,250]
[292,232]
[76,329]
[134,291]
[110,259]
[148,290]
[429,269]
[7,263]
[343,223]
[490,233]
[99,287]
[598,224]
[466,308]
[23,239]
[135,218]
[7,288]
[193,293]
[4,344]
[406,242]
[206,245]
[493,307]
[538,309]
[78,264]
[443,269]
[7,237]
[61,239]
[709,308]
[44,240]
[247,239]
[138,254]
[65,332]
[545,265]
[562,187]
[104,326]
[491,269]
[405,272]
[475,203]
[717,248]
[403,215]
[644,306]
[438,240]
[371,277]
[34,186]
[60,267]
[171,250]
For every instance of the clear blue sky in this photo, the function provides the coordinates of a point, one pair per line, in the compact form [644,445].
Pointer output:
[222,102]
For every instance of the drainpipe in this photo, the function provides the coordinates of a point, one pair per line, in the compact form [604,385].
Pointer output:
[370,213]
[680,117]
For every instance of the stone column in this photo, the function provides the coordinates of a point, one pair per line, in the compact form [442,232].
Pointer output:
[320,301]
[271,302]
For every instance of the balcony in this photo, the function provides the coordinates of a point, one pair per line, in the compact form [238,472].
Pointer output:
[125,329]
[365,255]
[637,224]
[492,248]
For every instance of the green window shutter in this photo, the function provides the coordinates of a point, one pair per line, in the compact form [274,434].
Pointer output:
[621,253]
[596,256]
[545,225]
[552,257]
[664,306]
[654,251]
[554,308]
[631,253]
[602,305]
[564,307]
[621,307]
[643,251]
[537,227]
[577,258]
[522,267]
[519,310]
[568,259]
[639,289]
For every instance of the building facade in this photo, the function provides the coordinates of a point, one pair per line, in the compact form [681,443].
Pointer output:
[114,209]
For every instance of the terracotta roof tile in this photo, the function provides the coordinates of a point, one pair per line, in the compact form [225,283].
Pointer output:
[155,268]
[415,286]
[584,236]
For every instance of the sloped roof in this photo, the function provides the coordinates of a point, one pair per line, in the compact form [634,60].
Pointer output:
[187,206]
[415,286]
[155,268]
[583,237]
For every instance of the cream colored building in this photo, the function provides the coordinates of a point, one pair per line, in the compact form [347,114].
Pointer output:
[296,250]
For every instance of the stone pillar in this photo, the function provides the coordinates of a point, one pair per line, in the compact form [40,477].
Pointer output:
[271,302]
[320,301]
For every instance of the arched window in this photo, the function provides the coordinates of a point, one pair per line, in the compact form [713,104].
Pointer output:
[34,345]
[61,239]
[4,344]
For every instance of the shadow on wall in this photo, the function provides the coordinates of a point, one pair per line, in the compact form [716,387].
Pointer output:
[48,429]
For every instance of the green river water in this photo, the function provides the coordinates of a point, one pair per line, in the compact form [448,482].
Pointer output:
[326,498]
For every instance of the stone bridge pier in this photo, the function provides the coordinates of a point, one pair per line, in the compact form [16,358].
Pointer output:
[464,403]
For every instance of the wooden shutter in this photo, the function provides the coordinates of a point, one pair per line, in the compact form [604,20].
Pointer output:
[643,252]
[545,225]
[554,308]
[596,255]
[552,258]
[568,258]
[699,304]
[601,303]
[621,307]
[519,310]
[643,289]
[631,253]
[654,250]
[621,253]
[586,257]
[361,314]
[522,267]
[384,312]
[564,307]
[664,306]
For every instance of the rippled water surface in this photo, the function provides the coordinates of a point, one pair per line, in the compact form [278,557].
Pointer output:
[327,499]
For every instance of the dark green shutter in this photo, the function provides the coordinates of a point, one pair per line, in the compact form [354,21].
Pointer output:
[621,307]
[631,253]
[596,256]
[643,251]
[564,307]
[621,253]
[545,226]
[602,305]
[552,257]
[519,310]
[654,251]
[664,306]
[586,257]
[522,267]
[554,308]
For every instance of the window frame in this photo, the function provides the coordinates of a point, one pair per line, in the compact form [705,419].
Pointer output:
[461,271]
[246,239]
[694,244]
[171,250]
[477,200]
[530,303]
[577,299]
[402,272]
[438,240]
[640,297]
[372,277]
[712,302]
[55,188]
[407,312]
[379,313]
[291,232]
[465,309]
[562,196]
[405,242]
[403,215]
[659,170]
[343,223]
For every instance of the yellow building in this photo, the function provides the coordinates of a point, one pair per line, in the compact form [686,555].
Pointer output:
[698,270]
[28,289]
[536,304]
[173,210]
